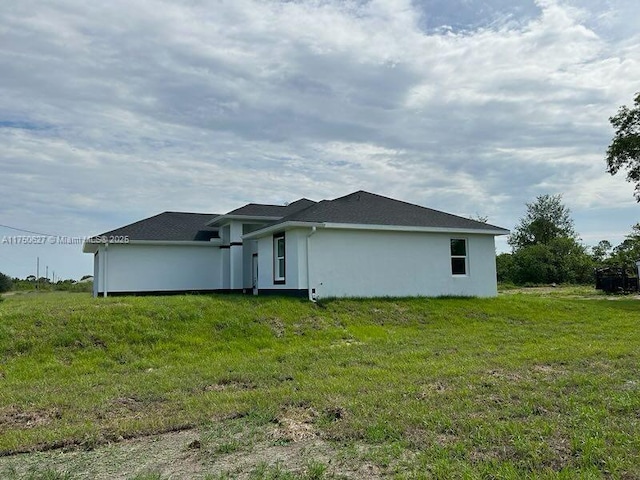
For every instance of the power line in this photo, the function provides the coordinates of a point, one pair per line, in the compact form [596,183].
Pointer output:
[28,231]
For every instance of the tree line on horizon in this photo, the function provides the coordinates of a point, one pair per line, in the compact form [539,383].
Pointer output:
[546,249]
[8,284]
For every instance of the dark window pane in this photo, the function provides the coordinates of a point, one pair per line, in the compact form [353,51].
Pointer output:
[458,247]
[281,268]
[280,247]
[458,266]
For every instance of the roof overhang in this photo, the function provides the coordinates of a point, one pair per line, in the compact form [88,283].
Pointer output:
[410,228]
[361,226]
[222,219]
[92,246]
[279,227]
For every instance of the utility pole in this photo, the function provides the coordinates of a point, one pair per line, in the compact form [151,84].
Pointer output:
[47,275]
[38,273]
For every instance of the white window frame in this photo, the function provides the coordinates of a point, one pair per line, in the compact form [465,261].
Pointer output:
[279,277]
[465,256]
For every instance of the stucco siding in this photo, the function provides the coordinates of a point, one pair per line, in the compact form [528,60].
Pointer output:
[96,273]
[367,264]
[249,247]
[146,268]
[295,276]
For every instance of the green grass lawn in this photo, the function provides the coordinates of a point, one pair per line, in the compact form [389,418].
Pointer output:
[523,385]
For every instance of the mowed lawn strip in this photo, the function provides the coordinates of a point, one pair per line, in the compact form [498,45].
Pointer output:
[514,385]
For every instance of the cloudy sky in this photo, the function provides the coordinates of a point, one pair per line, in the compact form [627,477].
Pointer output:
[114,111]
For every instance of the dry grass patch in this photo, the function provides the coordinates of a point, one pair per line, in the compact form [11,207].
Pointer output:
[12,417]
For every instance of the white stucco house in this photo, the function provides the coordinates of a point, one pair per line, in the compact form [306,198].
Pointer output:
[359,245]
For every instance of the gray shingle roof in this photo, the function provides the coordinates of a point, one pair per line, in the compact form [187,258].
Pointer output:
[169,226]
[261,210]
[370,209]
[356,208]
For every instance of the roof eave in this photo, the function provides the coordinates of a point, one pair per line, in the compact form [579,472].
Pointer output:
[92,247]
[412,228]
[219,220]
[363,226]
[278,227]
[193,243]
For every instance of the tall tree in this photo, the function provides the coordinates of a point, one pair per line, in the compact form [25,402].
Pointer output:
[624,150]
[628,252]
[545,247]
[602,251]
[546,219]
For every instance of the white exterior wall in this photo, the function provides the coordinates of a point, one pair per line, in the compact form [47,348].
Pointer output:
[96,273]
[343,263]
[235,256]
[140,268]
[356,263]
[249,247]
[295,261]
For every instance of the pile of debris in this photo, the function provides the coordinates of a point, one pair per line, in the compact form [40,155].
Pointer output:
[616,280]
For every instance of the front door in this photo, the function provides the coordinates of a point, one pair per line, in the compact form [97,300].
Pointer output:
[254,273]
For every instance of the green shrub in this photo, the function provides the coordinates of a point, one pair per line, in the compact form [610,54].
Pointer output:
[5,283]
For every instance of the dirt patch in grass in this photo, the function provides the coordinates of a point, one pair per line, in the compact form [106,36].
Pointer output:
[537,290]
[295,424]
[493,454]
[505,375]
[562,455]
[128,403]
[550,371]
[16,417]
[276,325]
[229,384]
[131,406]
[190,454]
[428,389]
[308,324]
[568,291]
